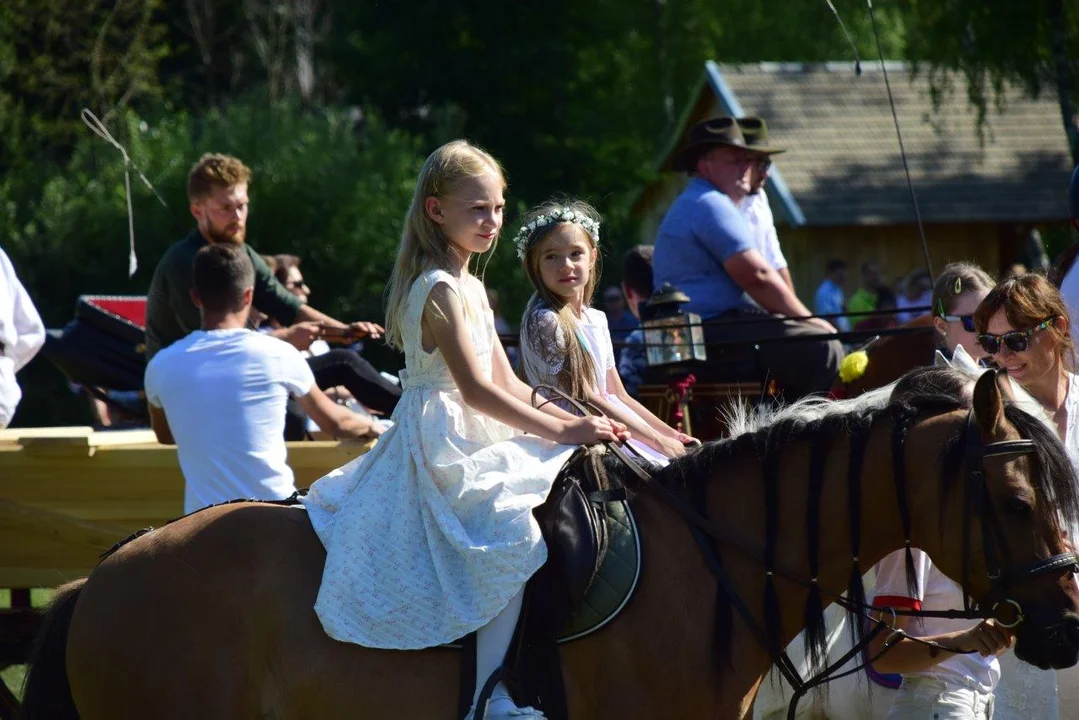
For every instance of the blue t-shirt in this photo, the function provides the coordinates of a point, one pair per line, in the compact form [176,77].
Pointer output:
[701,231]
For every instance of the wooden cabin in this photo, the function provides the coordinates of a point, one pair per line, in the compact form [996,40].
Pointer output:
[840,190]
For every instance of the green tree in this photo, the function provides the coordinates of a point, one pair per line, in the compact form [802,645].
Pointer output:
[326,187]
[987,45]
[59,56]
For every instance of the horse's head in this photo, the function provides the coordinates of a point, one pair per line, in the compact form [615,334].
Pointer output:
[1019,498]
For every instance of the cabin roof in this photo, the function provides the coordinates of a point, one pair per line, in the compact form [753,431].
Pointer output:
[843,166]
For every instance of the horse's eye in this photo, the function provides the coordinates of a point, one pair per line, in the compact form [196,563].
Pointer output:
[1020,507]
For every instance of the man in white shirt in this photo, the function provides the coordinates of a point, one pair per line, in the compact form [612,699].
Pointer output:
[21,335]
[755,208]
[220,392]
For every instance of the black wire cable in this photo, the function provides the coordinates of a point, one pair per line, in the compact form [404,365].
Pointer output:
[899,135]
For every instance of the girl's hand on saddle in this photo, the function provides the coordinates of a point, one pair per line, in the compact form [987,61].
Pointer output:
[592,430]
[669,446]
[686,439]
[986,638]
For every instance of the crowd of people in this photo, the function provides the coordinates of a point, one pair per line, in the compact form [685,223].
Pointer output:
[430,535]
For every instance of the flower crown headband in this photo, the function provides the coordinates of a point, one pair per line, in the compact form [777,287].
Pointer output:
[524,235]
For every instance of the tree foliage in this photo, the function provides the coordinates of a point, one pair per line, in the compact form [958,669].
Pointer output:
[335,104]
[59,56]
[986,45]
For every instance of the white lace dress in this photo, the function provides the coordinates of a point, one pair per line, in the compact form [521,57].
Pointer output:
[543,351]
[430,534]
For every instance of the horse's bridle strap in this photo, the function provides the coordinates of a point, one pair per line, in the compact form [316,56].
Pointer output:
[1008,447]
[1057,563]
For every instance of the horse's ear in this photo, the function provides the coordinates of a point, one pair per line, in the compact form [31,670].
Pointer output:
[992,389]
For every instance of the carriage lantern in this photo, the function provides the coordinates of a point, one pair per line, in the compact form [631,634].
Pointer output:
[671,335]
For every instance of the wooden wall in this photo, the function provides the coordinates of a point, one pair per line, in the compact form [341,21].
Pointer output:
[896,247]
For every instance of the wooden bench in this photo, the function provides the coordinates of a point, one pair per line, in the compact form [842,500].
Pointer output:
[69,494]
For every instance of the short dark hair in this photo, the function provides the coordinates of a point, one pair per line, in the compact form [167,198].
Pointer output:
[637,269]
[221,273]
[834,265]
[886,296]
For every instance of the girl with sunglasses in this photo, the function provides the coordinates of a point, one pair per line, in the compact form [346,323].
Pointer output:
[956,293]
[1023,326]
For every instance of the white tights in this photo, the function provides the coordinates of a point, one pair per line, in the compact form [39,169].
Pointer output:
[492,643]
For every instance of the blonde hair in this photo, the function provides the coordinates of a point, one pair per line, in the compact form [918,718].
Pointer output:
[578,372]
[215,170]
[956,280]
[424,246]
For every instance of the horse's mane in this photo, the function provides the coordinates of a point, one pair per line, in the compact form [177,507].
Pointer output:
[763,433]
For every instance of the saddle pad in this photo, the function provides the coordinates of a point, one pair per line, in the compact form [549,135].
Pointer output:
[617,577]
[614,583]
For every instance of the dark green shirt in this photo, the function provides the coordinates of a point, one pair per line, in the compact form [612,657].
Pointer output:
[170,312]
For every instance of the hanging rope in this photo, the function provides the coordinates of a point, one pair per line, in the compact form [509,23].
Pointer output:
[102,132]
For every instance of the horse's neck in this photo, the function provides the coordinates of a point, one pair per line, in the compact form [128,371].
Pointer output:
[737,501]
[882,526]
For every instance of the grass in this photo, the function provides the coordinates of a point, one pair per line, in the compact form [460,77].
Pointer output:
[13,676]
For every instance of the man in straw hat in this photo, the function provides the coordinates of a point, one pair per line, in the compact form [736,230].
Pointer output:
[706,249]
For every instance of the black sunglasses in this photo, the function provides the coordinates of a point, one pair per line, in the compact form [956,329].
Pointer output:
[1017,341]
[967,320]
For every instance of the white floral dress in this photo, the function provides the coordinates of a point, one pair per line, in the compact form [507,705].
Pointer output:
[431,534]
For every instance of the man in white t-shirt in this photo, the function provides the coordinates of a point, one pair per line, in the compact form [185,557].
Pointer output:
[21,335]
[220,392]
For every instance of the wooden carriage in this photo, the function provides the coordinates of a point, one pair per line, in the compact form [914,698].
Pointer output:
[67,495]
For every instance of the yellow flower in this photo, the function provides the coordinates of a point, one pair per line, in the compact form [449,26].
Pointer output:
[853,366]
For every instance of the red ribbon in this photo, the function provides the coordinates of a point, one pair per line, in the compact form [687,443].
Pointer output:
[678,390]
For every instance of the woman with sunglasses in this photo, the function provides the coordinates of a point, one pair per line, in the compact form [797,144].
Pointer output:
[956,294]
[1023,326]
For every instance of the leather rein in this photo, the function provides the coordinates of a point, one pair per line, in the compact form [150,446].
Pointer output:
[997,605]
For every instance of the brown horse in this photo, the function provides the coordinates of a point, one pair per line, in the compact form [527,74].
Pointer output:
[893,356]
[211,616]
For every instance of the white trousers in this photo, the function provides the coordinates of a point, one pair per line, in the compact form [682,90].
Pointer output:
[923,698]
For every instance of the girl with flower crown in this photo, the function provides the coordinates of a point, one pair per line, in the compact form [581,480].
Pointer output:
[565,343]
[430,536]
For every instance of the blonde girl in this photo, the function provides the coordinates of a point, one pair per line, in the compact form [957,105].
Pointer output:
[430,536]
[564,341]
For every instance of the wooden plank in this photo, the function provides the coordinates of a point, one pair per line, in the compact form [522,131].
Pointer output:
[60,510]
[14,436]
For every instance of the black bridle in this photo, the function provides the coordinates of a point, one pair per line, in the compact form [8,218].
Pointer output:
[1001,581]
[996,604]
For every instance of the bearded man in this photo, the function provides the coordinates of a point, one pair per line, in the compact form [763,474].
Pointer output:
[217,193]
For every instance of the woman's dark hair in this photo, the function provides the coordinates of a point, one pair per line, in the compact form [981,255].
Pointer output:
[282,264]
